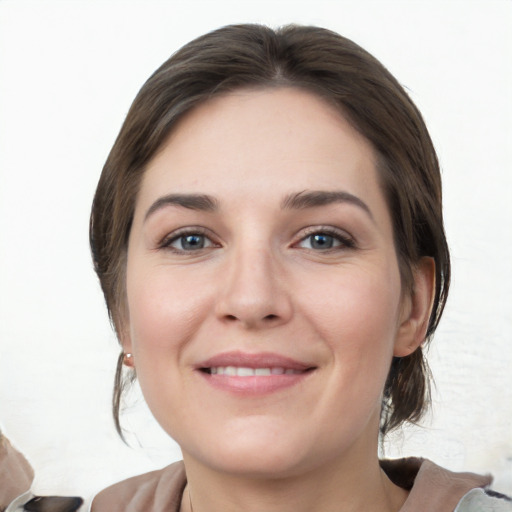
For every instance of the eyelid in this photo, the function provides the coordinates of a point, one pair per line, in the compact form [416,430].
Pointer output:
[169,238]
[347,240]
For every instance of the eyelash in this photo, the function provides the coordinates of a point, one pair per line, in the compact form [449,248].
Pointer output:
[167,242]
[343,239]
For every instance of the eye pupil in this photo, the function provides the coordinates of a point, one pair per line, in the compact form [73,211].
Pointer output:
[192,242]
[321,241]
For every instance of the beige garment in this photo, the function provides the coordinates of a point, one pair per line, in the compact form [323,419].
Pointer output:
[16,474]
[157,491]
[432,488]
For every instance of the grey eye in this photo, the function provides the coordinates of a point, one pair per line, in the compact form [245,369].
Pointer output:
[191,242]
[321,241]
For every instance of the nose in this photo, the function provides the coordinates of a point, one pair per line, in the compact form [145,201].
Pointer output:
[253,291]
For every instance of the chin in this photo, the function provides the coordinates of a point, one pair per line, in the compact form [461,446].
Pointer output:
[257,462]
[256,447]
[268,451]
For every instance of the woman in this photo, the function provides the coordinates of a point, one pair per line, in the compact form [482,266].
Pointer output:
[268,235]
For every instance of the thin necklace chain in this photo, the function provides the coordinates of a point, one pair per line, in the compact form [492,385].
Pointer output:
[190,500]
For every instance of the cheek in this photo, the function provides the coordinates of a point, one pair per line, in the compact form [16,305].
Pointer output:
[165,309]
[356,314]
[165,312]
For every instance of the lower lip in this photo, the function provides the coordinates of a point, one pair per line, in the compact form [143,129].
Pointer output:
[257,385]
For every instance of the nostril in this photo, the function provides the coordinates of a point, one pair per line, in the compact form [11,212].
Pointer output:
[234,318]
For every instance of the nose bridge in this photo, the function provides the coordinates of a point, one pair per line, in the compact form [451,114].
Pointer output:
[253,290]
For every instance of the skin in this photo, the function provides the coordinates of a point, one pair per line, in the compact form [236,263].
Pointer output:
[262,283]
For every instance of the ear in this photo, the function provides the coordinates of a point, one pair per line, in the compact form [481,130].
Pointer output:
[416,308]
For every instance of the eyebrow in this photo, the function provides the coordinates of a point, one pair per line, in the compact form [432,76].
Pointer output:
[297,201]
[312,199]
[200,202]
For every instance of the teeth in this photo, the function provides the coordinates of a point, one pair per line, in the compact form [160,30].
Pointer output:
[242,371]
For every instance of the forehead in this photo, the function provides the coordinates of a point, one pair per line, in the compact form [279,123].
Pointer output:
[272,141]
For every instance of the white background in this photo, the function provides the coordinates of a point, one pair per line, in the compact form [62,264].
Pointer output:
[68,73]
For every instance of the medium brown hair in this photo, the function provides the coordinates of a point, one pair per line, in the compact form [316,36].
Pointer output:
[354,83]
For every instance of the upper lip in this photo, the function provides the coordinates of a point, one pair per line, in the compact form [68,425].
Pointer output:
[256,360]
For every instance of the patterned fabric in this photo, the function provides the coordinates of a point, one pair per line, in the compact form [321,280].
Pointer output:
[16,477]
[27,502]
[481,500]
[16,474]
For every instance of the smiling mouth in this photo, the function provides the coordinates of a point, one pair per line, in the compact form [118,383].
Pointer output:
[245,374]
[242,371]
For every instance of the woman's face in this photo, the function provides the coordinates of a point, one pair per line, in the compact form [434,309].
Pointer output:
[263,290]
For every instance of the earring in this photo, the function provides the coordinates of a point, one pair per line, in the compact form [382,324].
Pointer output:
[128,360]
